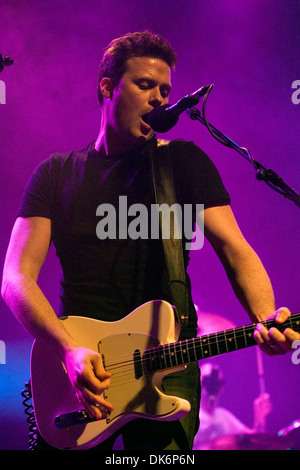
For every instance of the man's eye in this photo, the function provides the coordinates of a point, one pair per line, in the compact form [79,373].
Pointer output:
[143,86]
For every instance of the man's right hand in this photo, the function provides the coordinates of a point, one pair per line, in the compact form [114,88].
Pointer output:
[89,379]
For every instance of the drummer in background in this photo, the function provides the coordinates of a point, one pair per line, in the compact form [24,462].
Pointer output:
[216,421]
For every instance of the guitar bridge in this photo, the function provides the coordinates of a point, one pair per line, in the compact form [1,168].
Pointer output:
[76,417]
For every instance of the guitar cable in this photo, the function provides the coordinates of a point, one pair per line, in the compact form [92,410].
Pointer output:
[35,440]
[32,431]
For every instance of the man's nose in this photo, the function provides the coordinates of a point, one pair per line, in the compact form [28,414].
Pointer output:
[155,99]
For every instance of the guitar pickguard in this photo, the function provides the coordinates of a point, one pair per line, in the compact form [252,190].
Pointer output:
[122,355]
[132,392]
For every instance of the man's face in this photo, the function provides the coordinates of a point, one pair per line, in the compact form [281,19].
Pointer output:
[144,86]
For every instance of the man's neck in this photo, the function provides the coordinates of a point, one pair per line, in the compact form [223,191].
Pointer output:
[107,144]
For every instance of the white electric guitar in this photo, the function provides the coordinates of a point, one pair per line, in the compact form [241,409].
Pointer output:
[138,350]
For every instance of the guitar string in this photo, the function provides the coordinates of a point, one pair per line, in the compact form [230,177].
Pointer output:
[119,370]
[177,347]
[210,339]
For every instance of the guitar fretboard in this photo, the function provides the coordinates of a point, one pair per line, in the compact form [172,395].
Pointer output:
[189,350]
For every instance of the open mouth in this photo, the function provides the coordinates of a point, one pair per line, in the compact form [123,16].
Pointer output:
[145,118]
[145,126]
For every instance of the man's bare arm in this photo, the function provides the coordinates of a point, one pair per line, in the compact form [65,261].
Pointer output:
[243,267]
[248,278]
[27,251]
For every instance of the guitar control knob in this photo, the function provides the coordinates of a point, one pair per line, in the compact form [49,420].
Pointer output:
[62,421]
[81,416]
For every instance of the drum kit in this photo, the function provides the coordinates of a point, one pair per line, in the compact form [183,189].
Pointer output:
[256,441]
[288,438]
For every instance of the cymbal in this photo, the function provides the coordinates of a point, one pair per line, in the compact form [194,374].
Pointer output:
[248,442]
[292,431]
[211,323]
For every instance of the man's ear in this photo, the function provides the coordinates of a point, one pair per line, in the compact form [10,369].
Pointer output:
[106,87]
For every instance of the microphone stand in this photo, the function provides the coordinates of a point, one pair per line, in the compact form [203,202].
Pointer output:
[262,174]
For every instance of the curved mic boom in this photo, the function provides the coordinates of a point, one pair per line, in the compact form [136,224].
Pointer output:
[163,118]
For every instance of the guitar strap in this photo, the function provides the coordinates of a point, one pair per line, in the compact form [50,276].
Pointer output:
[164,190]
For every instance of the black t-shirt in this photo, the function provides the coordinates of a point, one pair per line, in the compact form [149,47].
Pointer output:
[108,278]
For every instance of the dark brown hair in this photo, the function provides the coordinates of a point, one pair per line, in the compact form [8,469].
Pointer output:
[139,44]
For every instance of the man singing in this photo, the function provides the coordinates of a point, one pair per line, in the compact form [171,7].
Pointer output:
[108,278]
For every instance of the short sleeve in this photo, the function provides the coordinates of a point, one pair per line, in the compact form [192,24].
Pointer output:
[38,197]
[197,176]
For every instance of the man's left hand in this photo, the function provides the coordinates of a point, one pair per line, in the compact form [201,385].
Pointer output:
[272,341]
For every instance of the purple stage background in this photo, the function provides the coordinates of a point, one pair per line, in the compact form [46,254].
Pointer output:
[250,52]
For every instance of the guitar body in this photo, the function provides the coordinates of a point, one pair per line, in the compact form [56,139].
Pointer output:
[138,350]
[133,395]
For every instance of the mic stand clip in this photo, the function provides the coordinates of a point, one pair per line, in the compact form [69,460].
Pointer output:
[5,62]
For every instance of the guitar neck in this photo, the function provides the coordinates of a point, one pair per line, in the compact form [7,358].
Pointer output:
[183,352]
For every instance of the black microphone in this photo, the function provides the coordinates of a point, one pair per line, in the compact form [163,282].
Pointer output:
[163,118]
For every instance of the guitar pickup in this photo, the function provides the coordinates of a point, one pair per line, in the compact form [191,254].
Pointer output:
[138,366]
